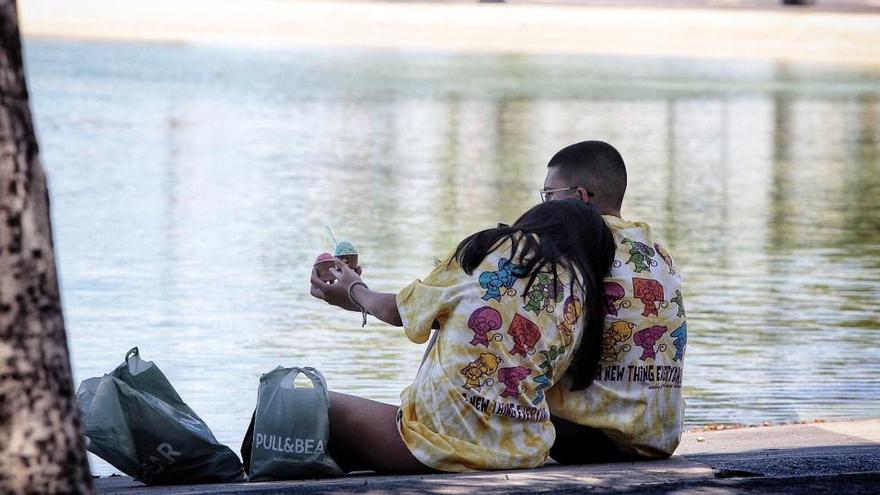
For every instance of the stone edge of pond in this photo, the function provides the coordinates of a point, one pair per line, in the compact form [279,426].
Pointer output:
[796,458]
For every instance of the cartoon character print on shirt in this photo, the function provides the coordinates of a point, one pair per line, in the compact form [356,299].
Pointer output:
[482,321]
[664,255]
[525,335]
[545,379]
[511,377]
[614,292]
[503,278]
[680,302]
[681,340]
[571,311]
[481,367]
[616,334]
[650,292]
[543,382]
[647,338]
[641,255]
[543,293]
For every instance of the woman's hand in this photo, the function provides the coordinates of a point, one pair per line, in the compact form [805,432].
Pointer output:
[336,292]
[381,305]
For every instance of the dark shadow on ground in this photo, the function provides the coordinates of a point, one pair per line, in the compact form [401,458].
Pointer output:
[798,461]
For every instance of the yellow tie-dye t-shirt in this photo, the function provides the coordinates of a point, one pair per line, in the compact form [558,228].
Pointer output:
[636,396]
[478,399]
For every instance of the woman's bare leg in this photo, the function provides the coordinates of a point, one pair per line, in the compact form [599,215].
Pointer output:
[363,435]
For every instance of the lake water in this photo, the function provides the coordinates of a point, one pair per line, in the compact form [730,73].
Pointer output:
[190,186]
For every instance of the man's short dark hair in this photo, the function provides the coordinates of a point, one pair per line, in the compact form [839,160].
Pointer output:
[598,167]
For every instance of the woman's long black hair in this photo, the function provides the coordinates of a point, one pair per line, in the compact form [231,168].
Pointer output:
[567,234]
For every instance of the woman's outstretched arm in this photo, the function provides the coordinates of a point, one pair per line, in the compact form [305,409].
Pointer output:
[382,305]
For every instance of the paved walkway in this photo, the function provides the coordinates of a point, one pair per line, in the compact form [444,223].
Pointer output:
[831,458]
[807,5]
[788,35]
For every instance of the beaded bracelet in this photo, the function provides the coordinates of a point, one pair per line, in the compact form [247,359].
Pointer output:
[357,304]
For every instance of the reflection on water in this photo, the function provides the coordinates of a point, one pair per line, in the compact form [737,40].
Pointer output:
[190,186]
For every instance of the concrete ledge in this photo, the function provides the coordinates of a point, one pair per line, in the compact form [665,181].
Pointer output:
[555,478]
[774,459]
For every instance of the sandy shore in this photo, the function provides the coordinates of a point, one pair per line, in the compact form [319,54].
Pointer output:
[797,36]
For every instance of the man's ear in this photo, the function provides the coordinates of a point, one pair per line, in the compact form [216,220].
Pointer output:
[583,194]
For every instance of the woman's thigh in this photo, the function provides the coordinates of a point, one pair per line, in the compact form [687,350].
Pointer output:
[364,435]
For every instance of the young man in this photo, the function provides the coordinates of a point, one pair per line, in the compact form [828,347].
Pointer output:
[634,408]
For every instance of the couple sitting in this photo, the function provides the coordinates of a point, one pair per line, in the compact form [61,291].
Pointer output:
[562,335]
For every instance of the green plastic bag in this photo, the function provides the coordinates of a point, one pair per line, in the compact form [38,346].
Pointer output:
[135,421]
[290,430]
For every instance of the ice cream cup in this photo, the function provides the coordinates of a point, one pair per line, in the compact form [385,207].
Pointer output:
[323,264]
[349,259]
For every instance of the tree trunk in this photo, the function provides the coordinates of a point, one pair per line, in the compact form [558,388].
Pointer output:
[42,448]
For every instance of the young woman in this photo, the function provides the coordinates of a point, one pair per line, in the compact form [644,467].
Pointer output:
[515,307]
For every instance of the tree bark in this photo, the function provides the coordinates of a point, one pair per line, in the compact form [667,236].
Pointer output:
[42,448]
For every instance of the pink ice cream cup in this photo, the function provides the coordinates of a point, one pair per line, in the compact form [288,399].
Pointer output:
[323,263]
